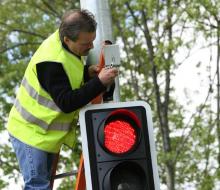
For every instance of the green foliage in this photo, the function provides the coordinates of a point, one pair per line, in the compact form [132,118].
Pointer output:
[205,15]
[23,26]
[151,34]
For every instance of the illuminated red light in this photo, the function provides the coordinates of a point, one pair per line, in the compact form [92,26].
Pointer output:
[119,136]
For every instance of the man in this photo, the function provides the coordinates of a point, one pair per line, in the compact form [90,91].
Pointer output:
[55,85]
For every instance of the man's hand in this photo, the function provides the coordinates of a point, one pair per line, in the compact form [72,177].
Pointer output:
[93,70]
[107,75]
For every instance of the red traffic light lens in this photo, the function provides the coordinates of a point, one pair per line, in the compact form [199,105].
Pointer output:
[120,132]
[119,136]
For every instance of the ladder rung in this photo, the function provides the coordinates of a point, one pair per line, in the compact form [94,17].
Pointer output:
[67,174]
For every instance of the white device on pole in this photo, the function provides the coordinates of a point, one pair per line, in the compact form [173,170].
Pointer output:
[112,59]
[112,55]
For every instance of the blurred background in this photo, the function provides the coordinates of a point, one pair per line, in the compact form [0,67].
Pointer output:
[170,52]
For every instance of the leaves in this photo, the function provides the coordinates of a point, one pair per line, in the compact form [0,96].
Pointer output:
[151,34]
[23,26]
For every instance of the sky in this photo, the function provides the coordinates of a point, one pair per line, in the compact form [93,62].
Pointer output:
[192,81]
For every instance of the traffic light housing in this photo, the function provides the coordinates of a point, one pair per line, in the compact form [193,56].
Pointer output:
[118,146]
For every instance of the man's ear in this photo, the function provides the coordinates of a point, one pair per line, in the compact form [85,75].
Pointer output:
[66,40]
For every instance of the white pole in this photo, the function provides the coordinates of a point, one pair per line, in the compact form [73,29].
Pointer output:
[101,11]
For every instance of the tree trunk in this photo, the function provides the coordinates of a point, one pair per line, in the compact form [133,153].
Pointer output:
[171,176]
[218,90]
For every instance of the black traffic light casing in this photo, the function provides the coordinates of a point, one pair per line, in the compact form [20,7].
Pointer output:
[110,166]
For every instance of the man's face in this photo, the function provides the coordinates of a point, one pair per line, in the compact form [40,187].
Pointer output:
[82,45]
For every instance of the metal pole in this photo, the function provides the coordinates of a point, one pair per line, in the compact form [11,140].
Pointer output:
[101,10]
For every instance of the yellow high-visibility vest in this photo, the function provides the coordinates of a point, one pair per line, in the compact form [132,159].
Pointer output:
[34,118]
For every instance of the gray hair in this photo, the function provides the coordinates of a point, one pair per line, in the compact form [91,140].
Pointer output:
[76,21]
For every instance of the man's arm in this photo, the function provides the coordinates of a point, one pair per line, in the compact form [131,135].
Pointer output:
[54,80]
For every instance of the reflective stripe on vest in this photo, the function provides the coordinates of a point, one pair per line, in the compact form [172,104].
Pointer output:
[32,119]
[40,99]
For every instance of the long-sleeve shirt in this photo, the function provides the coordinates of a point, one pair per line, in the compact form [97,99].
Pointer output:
[54,80]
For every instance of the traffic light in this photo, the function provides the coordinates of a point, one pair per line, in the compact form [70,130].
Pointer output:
[118,146]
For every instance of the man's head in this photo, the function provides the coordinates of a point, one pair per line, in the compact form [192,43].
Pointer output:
[78,31]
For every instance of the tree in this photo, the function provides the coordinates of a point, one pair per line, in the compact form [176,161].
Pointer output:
[207,19]
[24,25]
[152,32]
[205,15]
